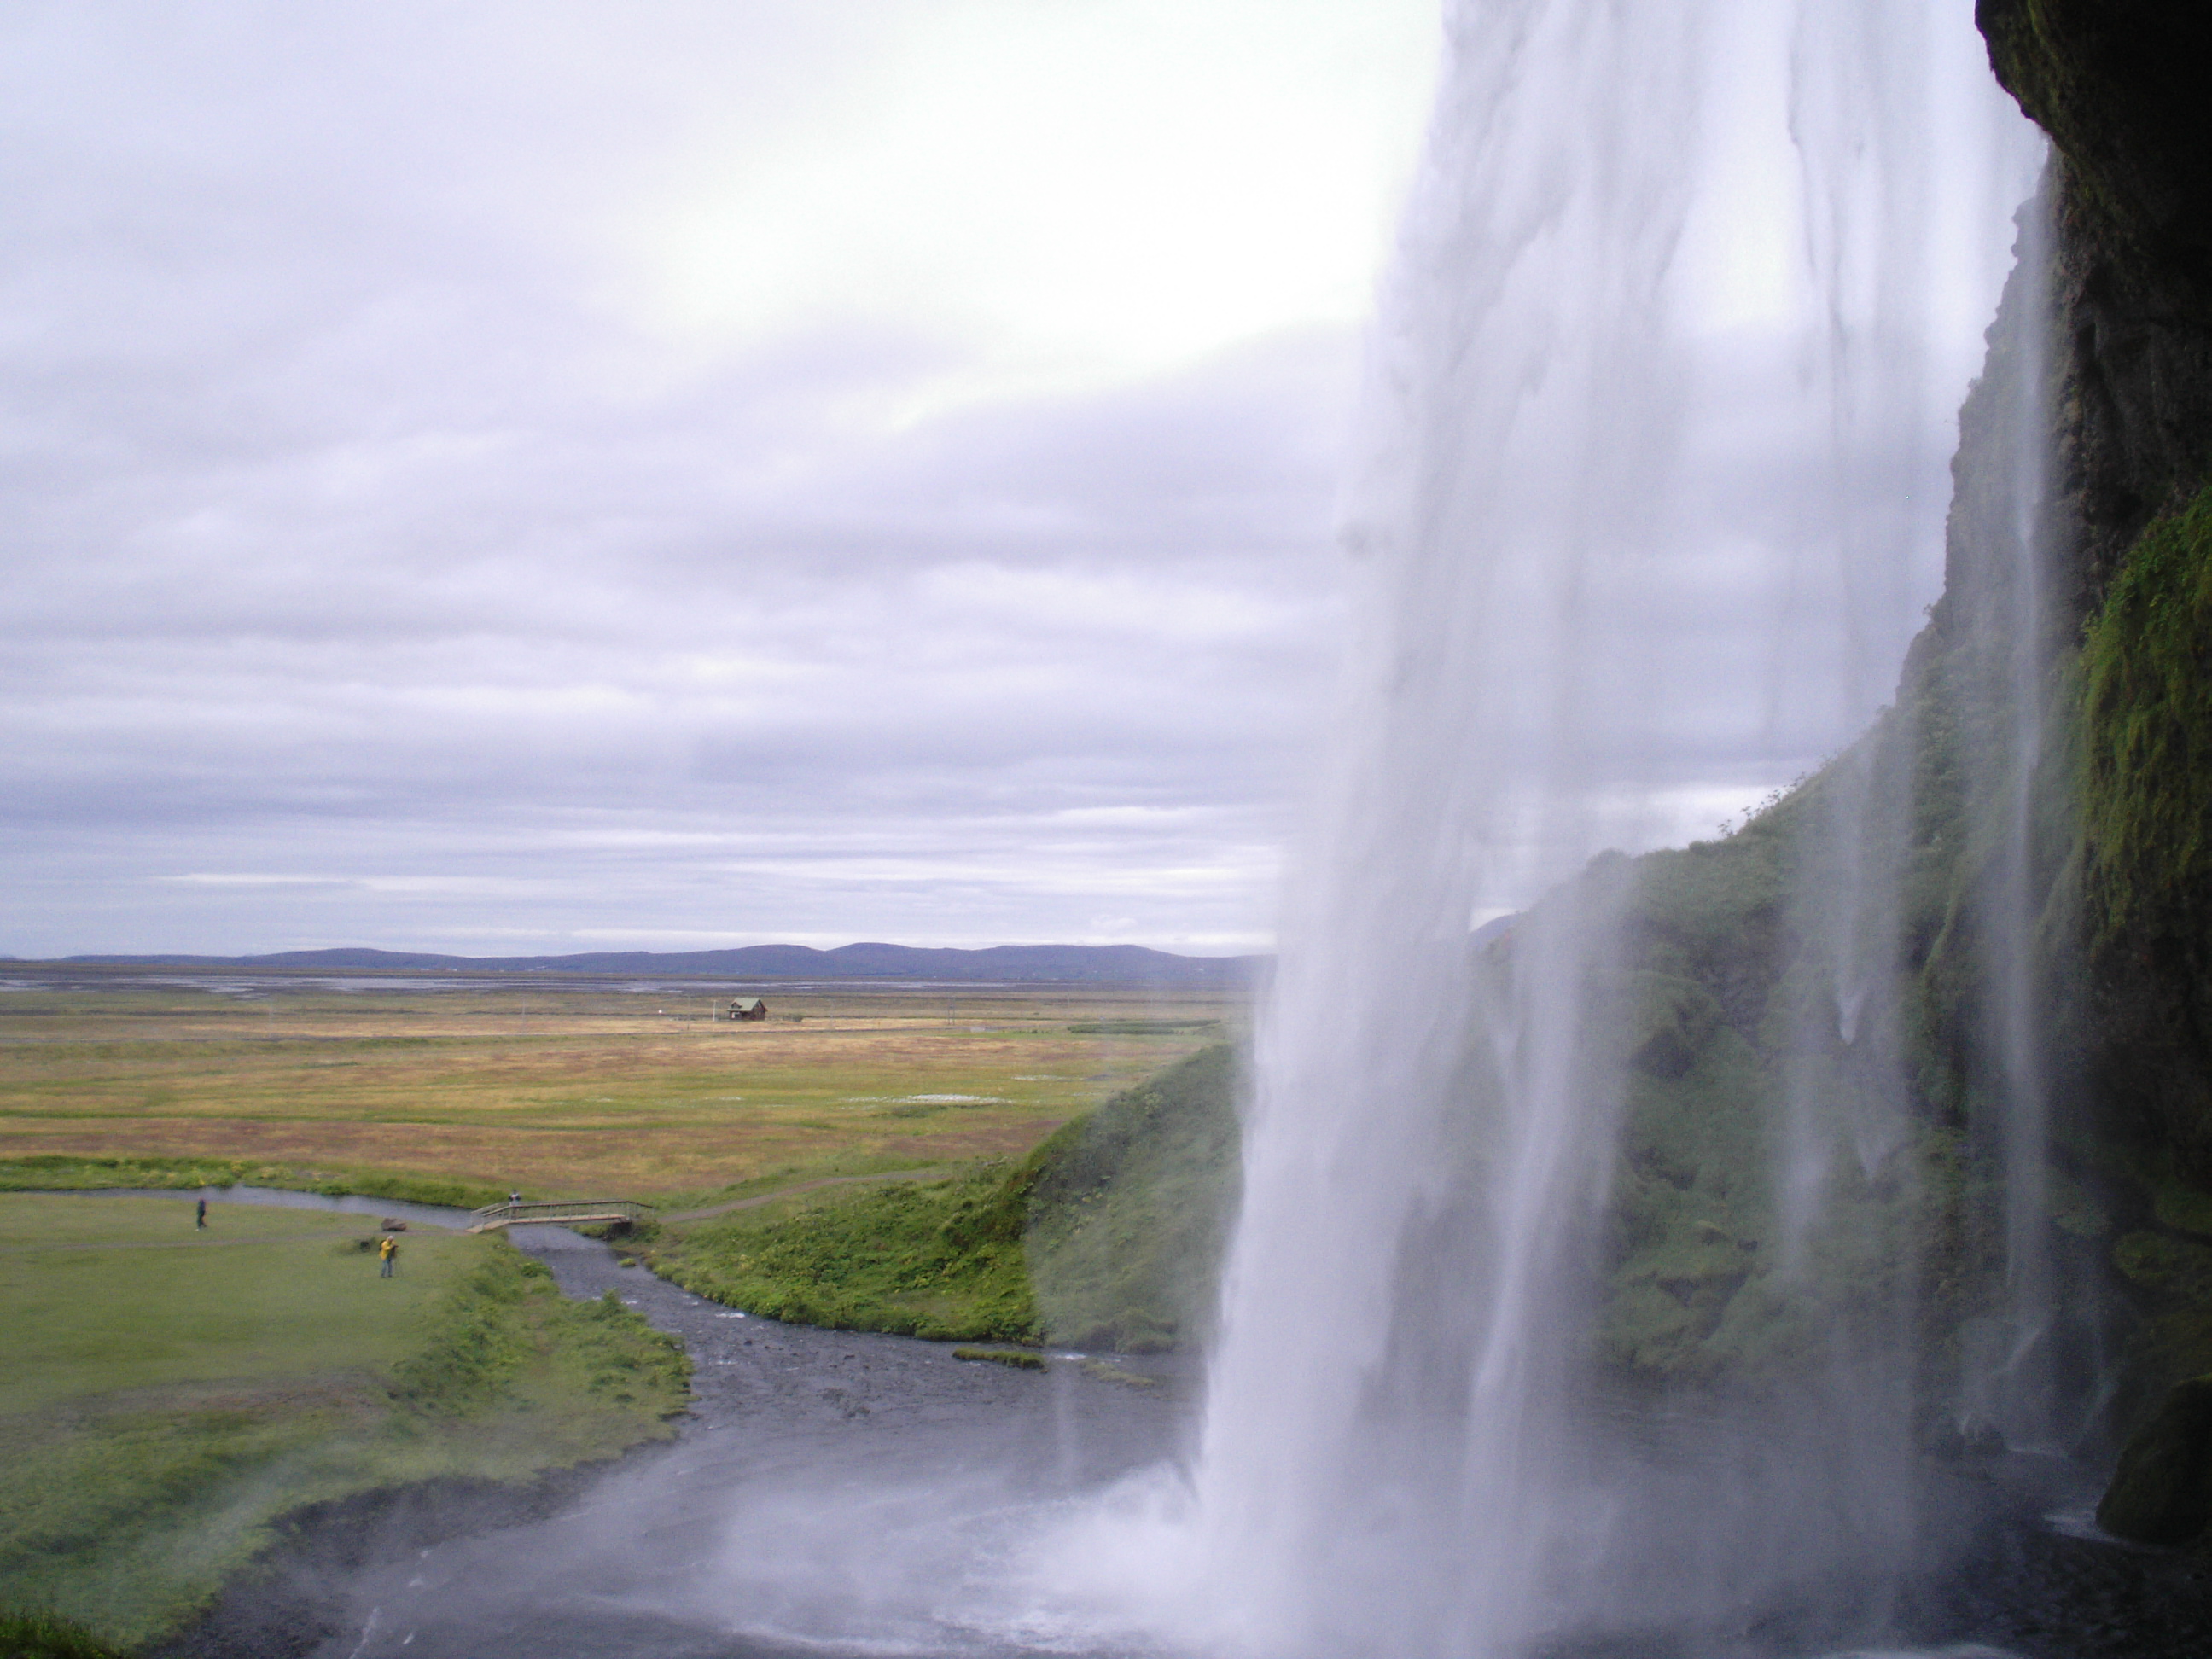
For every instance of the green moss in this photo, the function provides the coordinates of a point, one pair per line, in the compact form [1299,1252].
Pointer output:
[2170,1267]
[2146,714]
[1110,1373]
[2182,1208]
[40,1635]
[505,1317]
[939,1259]
[1736,1034]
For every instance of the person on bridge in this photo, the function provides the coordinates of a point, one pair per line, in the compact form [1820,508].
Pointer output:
[389,1251]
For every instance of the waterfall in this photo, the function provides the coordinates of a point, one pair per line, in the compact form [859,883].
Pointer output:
[2024,1403]
[2014,1358]
[1409,1445]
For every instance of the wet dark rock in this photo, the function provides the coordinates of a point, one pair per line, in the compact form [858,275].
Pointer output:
[2169,1268]
[2162,1490]
[2119,85]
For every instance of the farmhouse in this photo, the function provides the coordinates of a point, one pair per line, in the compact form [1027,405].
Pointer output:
[748,1008]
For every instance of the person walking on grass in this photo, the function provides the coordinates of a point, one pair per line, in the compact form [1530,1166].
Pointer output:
[389,1251]
[199,1216]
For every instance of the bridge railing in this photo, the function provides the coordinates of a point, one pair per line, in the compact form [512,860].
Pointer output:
[582,1209]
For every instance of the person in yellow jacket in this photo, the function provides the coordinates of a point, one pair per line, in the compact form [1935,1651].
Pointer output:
[389,1250]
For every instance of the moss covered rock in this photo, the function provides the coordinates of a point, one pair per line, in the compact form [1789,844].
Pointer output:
[2162,1490]
[2174,1268]
[2148,714]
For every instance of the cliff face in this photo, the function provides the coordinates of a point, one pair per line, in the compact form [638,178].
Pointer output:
[2118,85]
[1831,1007]
[2120,88]
[2015,865]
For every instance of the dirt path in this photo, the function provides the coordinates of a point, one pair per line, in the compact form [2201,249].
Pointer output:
[803,1186]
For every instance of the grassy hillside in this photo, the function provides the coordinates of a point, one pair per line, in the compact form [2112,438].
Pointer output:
[939,1259]
[167,1392]
[1128,1209]
[1108,1235]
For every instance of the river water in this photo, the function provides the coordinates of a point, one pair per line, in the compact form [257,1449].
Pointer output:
[831,1492]
[850,1496]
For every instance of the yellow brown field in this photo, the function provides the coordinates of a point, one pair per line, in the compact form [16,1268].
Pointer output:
[568,1091]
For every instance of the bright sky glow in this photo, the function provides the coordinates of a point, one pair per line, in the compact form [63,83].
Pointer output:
[1068,192]
[532,472]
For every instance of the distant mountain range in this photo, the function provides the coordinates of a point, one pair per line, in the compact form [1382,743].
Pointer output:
[1115,963]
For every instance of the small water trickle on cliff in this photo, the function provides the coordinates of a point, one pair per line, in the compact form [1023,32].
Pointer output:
[2012,1358]
[1649,466]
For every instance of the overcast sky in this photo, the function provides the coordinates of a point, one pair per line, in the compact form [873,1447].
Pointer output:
[521,477]
[504,477]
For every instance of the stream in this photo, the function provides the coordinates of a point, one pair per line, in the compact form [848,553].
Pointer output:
[281,1198]
[847,1494]
[852,1495]
[831,1492]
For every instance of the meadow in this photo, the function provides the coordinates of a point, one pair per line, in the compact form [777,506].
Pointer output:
[559,1090]
[168,1392]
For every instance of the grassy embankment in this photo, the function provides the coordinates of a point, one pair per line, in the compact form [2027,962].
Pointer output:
[1107,1235]
[457,1096]
[166,1392]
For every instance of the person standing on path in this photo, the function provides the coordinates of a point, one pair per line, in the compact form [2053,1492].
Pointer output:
[199,1216]
[389,1250]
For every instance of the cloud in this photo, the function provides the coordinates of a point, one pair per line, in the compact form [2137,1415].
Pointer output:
[374,580]
[515,474]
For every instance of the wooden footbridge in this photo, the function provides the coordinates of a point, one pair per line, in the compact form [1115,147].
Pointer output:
[575,1211]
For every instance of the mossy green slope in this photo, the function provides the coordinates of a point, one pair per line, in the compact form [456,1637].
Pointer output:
[938,1258]
[1828,976]
[2038,800]
[1128,1211]
[1108,1235]
[44,1635]
[1726,1026]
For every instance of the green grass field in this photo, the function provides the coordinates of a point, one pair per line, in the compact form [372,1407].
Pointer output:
[557,1091]
[165,1393]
